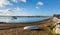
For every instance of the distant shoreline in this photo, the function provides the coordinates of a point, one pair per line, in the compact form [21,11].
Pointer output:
[22,22]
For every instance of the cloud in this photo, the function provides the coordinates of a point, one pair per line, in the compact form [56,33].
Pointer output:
[37,7]
[6,12]
[15,0]
[15,12]
[40,3]
[4,2]
[20,11]
[23,1]
[19,0]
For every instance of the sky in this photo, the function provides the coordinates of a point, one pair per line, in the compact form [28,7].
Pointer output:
[29,7]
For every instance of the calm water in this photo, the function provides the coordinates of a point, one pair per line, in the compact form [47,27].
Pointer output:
[20,19]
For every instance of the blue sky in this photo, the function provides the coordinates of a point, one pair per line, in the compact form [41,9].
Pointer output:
[29,7]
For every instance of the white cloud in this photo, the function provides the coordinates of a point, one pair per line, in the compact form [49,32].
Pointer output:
[20,12]
[23,1]
[6,12]
[15,0]
[37,7]
[40,3]
[15,12]
[18,9]
[4,2]
[19,0]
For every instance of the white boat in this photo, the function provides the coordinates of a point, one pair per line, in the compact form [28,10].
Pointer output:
[31,27]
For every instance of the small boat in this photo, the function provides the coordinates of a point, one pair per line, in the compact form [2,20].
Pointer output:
[31,27]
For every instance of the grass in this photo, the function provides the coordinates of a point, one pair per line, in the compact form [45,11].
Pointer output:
[20,31]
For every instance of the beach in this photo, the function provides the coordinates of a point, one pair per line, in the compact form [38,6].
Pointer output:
[17,28]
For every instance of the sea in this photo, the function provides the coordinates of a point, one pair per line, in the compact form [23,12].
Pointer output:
[17,19]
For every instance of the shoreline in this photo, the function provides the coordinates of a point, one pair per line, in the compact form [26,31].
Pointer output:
[22,22]
[42,24]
